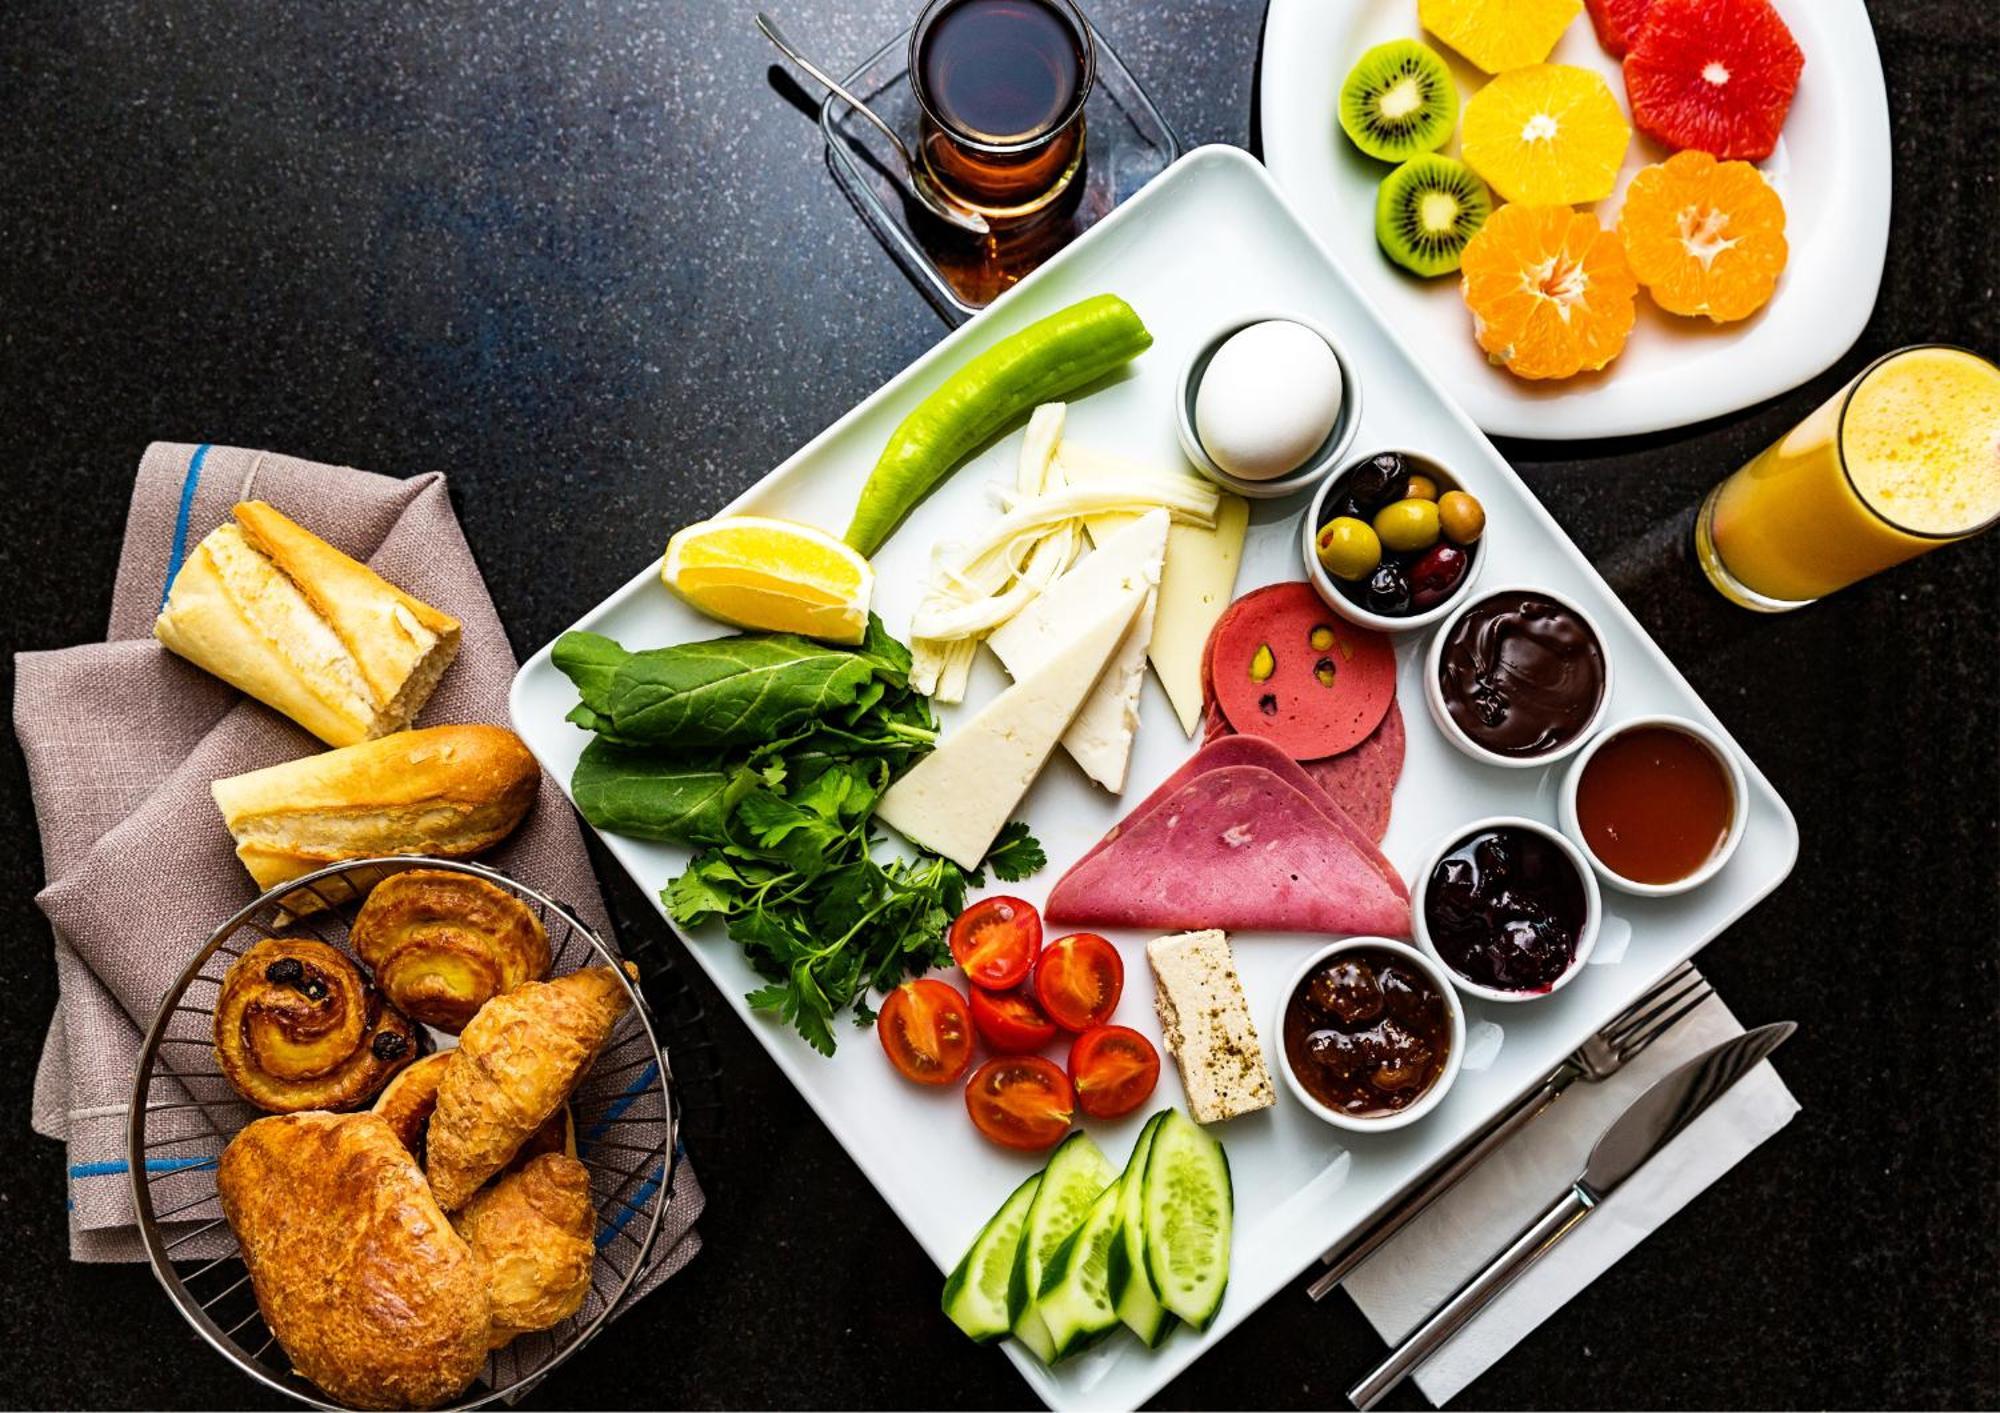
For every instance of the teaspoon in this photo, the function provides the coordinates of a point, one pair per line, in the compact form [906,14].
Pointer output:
[922,186]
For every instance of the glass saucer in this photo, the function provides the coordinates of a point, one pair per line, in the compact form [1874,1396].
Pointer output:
[1127,144]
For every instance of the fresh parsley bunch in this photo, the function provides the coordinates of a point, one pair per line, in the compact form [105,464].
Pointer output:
[767,753]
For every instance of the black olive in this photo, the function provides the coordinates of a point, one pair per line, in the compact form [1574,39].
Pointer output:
[1379,481]
[286,971]
[389,1046]
[1388,589]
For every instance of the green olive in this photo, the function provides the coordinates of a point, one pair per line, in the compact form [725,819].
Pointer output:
[1348,548]
[1422,487]
[1462,517]
[1408,525]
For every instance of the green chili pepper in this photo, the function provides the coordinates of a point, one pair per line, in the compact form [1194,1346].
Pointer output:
[1044,362]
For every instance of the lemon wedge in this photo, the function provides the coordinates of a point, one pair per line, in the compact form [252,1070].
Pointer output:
[756,572]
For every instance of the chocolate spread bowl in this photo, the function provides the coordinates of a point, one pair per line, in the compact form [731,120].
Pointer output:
[1519,676]
[1403,956]
[1499,908]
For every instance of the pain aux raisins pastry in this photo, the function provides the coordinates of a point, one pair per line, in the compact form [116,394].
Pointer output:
[298,1027]
[443,944]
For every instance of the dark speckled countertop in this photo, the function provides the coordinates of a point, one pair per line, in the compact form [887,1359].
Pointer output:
[586,258]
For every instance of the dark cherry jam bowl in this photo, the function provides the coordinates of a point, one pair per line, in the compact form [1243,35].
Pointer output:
[1508,907]
[1368,1032]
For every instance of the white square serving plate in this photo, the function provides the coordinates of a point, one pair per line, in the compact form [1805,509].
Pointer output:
[1831,166]
[1207,241]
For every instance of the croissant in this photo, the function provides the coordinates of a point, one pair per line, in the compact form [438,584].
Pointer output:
[409,1099]
[531,1231]
[298,1027]
[361,1278]
[518,1060]
[443,944]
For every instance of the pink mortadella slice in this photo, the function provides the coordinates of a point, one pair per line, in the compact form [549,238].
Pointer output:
[1238,847]
[1362,781]
[1231,750]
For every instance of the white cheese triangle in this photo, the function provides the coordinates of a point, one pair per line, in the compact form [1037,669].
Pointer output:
[955,800]
[1100,739]
[1195,587]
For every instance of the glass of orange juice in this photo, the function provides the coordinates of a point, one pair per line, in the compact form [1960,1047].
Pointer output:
[1903,459]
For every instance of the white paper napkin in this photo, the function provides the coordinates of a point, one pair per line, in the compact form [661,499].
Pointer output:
[1403,1282]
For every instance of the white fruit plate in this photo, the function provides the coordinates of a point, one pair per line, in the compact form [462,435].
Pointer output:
[1209,239]
[1831,167]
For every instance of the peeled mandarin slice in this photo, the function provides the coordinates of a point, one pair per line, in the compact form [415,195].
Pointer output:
[756,572]
[1548,135]
[1496,35]
[1705,237]
[1550,291]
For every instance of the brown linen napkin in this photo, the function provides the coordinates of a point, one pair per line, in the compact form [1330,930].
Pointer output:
[122,739]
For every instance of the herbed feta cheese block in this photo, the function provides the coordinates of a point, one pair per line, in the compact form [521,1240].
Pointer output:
[1207,1026]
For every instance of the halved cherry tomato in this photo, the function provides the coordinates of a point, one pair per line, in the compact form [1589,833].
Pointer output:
[926,1032]
[994,941]
[1010,1021]
[1113,1069]
[1078,980]
[1021,1101]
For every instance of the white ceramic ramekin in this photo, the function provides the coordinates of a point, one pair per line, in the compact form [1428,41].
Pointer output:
[1739,794]
[1439,976]
[1434,687]
[1593,905]
[1322,461]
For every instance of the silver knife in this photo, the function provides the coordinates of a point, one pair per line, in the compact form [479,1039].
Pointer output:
[1651,1122]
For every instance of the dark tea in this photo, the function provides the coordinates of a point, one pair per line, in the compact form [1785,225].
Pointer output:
[1002,84]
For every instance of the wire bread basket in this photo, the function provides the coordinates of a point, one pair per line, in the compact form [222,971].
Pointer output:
[184,1112]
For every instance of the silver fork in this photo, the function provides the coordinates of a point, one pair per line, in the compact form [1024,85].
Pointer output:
[1664,1005]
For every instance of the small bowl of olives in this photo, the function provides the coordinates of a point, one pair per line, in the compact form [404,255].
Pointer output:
[1392,542]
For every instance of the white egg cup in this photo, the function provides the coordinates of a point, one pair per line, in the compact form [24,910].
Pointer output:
[1319,465]
[1739,795]
[1438,975]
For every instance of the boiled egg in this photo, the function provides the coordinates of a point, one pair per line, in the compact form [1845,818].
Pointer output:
[1268,400]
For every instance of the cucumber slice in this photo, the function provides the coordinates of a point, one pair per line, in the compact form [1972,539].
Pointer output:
[1132,1292]
[1075,1300]
[975,1293]
[1189,1207]
[1074,1177]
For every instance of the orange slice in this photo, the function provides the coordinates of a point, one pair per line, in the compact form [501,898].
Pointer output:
[1706,237]
[1496,35]
[1548,135]
[1550,293]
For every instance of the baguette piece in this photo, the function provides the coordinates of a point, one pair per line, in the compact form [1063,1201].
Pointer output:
[450,791]
[1207,1026]
[276,611]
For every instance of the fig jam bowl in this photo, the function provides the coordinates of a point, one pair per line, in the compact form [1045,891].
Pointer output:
[1508,908]
[1383,984]
[1359,492]
[1664,796]
[1518,677]
[1298,414]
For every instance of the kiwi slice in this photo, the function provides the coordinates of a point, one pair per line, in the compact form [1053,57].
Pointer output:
[1427,210]
[1399,101]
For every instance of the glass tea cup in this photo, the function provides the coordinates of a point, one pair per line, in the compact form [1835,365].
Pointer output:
[1001,85]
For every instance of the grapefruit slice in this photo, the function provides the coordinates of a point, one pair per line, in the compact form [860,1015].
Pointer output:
[1715,76]
[1617,23]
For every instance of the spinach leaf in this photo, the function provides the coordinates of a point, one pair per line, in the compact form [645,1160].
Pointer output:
[652,794]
